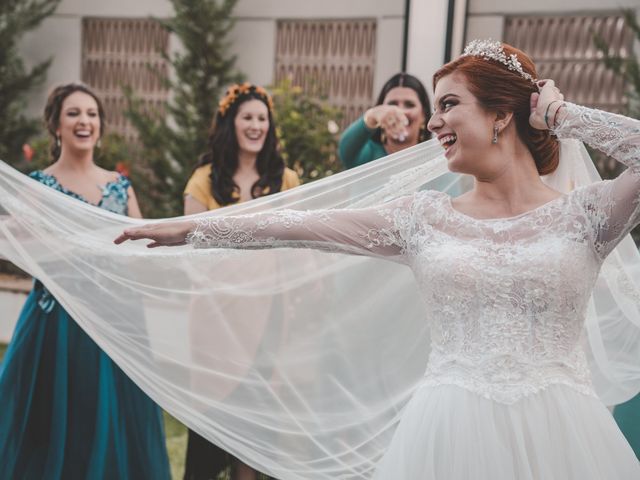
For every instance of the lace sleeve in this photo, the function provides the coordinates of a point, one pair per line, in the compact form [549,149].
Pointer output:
[376,231]
[613,206]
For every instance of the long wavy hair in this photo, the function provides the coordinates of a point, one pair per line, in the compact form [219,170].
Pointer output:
[53,108]
[407,81]
[223,153]
[499,89]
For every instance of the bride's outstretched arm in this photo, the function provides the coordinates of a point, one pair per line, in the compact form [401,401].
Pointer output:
[375,231]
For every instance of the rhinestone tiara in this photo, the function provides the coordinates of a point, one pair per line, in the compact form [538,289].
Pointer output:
[492,50]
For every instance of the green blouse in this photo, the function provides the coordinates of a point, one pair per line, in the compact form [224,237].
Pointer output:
[357,146]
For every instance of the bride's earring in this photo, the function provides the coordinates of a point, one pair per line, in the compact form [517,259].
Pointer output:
[58,142]
[494,140]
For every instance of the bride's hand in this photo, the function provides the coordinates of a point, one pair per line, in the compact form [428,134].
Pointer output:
[545,104]
[169,234]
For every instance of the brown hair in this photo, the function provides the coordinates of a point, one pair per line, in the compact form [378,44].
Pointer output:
[223,148]
[54,107]
[499,89]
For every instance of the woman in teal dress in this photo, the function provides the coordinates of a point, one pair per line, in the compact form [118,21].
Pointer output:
[68,411]
[628,417]
[397,121]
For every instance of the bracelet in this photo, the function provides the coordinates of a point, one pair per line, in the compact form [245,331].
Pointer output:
[546,113]
[555,116]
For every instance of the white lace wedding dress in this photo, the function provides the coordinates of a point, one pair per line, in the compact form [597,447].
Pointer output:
[507,391]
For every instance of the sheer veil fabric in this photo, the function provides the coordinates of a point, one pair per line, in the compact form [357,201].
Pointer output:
[297,361]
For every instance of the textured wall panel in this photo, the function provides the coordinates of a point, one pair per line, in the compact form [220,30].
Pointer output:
[334,57]
[563,49]
[118,52]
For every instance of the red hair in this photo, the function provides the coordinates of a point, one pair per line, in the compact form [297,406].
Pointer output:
[502,90]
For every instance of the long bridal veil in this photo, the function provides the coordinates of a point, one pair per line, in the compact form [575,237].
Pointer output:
[297,361]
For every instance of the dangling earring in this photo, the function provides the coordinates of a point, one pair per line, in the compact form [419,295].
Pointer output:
[494,140]
[424,133]
[99,143]
[58,142]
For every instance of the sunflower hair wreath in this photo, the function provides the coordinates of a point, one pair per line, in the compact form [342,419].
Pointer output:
[234,92]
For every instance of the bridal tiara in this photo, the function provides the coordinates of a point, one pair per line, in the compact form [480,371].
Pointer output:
[493,50]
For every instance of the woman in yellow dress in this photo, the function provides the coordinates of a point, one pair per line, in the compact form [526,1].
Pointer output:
[242,163]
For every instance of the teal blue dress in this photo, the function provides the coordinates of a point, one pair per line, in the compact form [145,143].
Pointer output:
[66,410]
[628,417]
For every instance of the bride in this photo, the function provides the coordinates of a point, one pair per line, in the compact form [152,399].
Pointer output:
[506,272]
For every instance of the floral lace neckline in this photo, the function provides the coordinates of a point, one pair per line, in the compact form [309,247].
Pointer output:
[537,209]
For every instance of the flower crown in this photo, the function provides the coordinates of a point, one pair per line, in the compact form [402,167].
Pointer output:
[493,50]
[236,91]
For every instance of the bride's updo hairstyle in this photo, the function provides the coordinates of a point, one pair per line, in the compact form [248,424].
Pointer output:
[498,88]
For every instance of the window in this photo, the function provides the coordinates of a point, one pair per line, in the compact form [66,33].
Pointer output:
[564,50]
[333,58]
[117,52]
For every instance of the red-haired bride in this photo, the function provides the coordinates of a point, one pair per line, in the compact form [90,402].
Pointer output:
[506,271]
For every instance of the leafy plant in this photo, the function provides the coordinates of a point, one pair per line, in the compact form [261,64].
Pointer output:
[308,131]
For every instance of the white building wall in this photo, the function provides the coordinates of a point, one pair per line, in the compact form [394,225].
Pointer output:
[58,37]
[427,38]
[389,50]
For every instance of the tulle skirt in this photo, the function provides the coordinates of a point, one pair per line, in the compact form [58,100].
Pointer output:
[449,433]
[67,411]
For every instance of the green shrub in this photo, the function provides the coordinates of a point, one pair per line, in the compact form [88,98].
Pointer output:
[308,131]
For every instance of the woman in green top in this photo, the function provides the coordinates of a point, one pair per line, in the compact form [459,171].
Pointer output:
[398,121]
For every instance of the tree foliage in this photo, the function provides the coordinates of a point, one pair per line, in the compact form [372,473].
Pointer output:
[201,68]
[308,130]
[17,81]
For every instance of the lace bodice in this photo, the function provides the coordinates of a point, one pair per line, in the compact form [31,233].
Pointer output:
[506,298]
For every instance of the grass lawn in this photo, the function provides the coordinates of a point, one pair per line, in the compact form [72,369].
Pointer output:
[176,438]
[176,445]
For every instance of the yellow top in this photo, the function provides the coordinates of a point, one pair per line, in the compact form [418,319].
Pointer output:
[199,185]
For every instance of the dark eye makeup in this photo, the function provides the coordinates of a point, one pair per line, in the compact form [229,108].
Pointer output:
[446,103]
